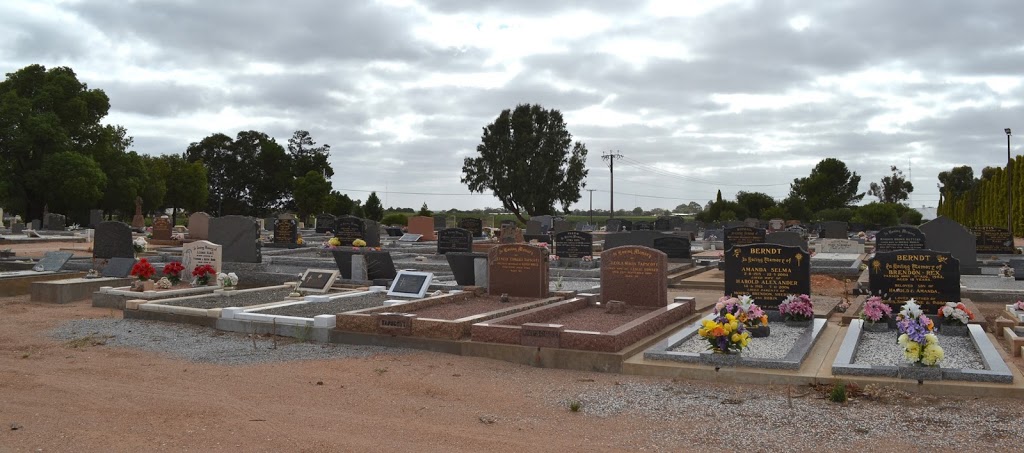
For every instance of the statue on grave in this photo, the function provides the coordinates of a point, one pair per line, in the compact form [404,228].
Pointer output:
[138,222]
[138,205]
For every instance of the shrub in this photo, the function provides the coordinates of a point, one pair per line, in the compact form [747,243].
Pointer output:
[395,219]
[838,394]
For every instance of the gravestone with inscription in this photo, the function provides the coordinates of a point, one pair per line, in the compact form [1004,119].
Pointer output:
[198,253]
[379,264]
[348,228]
[903,237]
[562,226]
[767,272]
[317,280]
[742,235]
[993,240]
[931,278]
[162,228]
[788,238]
[424,226]
[324,223]
[286,230]
[643,225]
[843,246]
[410,284]
[510,234]
[546,222]
[239,236]
[574,244]
[113,240]
[463,266]
[946,235]
[776,225]
[674,247]
[55,222]
[371,233]
[474,225]
[199,225]
[519,270]
[454,240]
[635,275]
[751,222]
[834,230]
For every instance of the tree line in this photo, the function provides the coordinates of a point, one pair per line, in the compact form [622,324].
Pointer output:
[981,201]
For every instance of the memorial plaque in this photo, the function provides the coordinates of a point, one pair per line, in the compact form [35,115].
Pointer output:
[767,272]
[574,244]
[674,247]
[839,246]
[348,228]
[120,268]
[636,275]
[474,225]
[454,240]
[410,284]
[742,235]
[931,278]
[286,231]
[409,237]
[162,228]
[198,253]
[894,238]
[317,280]
[53,261]
[517,270]
[993,240]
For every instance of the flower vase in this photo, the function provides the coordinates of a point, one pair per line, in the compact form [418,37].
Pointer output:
[879,326]
[759,331]
[919,372]
[954,330]
[798,323]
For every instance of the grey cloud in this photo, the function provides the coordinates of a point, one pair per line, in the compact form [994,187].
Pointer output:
[159,98]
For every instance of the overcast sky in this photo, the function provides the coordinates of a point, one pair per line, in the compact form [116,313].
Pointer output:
[696,95]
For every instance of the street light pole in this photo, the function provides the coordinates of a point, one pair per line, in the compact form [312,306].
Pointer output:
[1009,187]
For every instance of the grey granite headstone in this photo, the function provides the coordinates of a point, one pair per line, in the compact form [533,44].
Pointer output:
[324,222]
[113,240]
[17,227]
[37,224]
[534,227]
[787,238]
[613,226]
[480,269]
[834,230]
[239,236]
[546,222]
[440,222]
[95,217]
[674,247]
[119,267]
[946,235]
[371,233]
[562,226]
[54,261]
[358,269]
[379,265]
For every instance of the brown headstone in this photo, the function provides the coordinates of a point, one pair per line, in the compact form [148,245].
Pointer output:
[511,234]
[199,226]
[162,228]
[636,275]
[423,226]
[138,221]
[520,270]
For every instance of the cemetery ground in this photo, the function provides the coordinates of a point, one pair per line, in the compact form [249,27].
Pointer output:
[74,377]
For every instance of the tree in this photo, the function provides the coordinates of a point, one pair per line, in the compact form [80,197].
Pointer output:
[691,208]
[424,211]
[250,175]
[755,202]
[719,196]
[43,113]
[894,189]
[307,157]
[877,214]
[312,193]
[216,154]
[186,185]
[373,209]
[529,161]
[638,211]
[830,185]
[796,208]
[339,204]
[126,175]
[71,181]
[154,185]
[958,181]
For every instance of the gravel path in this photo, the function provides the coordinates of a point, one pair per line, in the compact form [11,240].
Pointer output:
[881,349]
[774,346]
[200,344]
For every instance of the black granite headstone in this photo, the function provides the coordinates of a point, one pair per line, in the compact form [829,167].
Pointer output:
[627,225]
[786,238]
[574,244]
[113,240]
[643,238]
[663,224]
[742,235]
[95,217]
[324,223]
[379,264]
[239,237]
[767,272]
[643,225]
[931,278]
[903,237]
[286,231]
[474,225]
[349,228]
[834,230]
[462,265]
[371,233]
[613,226]
[946,235]
[454,240]
[993,240]
[674,247]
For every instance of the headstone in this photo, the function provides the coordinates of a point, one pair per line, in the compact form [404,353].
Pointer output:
[199,225]
[751,222]
[462,266]
[742,235]
[613,226]
[674,247]
[454,240]
[410,284]
[546,222]
[716,235]
[636,275]
[239,236]
[643,238]
[902,237]
[349,228]
[839,246]
[519,270]
[931,278]
[95,217]
[574,244]
[286,230]
[376,264]
[138,221]
[946,235]
[534,227]
[562,226]
[440,223]
[857,227]
[53,261]
[54,222]
[732,224]
[113,240]
[510,234]
[17,227]
[663,224]
[317,280]
[423,226]
[474,225]
[37,225]
[1018,269]
[162,228]
[643,225]
[676,222]
[119,267]
[627,225]
[379,265]
[324,223]
[993,240]
[834,230]
[788,238]
[394,232]
[198,253]
[767,272]
[268,223]
[776,224]
[371,233]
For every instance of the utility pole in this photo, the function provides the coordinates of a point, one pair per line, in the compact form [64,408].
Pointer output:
[1009,188]
[591,205]
[610,157]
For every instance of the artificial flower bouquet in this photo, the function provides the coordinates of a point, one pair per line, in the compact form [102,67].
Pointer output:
[143,270]
[229,280]
[797,308]
[164,283]
[725,334]
[140,245]
[920,345]
[956,314]
[203,274]
[172,271]
[876,314]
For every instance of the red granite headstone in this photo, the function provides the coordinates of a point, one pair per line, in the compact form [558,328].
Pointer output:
[519,270]
[424,226]
[162,228]
[636,275]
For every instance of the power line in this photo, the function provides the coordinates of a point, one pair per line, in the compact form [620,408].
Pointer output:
[667,173]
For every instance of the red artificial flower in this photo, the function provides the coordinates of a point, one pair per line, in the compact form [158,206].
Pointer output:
[204,270]
[143,270]
[173,269]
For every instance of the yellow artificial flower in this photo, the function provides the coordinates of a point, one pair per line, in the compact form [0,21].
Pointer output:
[736,338]
[931,339]
[730,317]
[334,241]
[933,354]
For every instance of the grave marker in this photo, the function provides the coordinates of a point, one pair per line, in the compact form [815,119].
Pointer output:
[348,228]
[454,240]
[113,240]
[198,253]
[993,240]
[119,267]
[946,235]
[839,246]
[410,284]
[462,265]
[643,225]
[534,227]
[324,223]
[767,272]
[636,275]
[742,235]
[930,277]
[371,233]
[162,228]
[317,280]
[423,226]
[674,247]
[95,217]
[239,237]
[834,230]
[409,237]
[663,224]
[613,226]
[517,270]
[199,225]
[904,237]
[53,261]
[574,244]
[474,225]
[286,230]
[787,238]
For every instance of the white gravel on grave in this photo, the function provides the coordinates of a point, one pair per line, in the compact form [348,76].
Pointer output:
[202,344]
[775,346]
[881,349]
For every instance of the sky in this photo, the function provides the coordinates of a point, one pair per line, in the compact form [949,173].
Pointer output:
[696,96]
